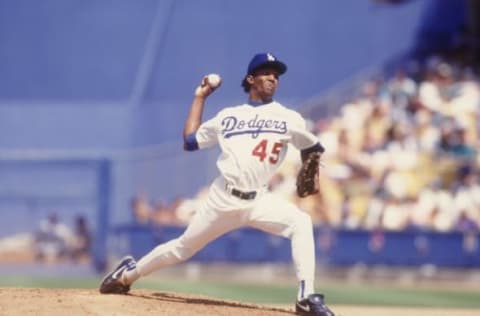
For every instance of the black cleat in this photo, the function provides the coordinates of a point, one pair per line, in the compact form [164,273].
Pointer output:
[112,283]
[313,305]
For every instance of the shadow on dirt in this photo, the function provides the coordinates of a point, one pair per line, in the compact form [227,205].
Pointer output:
[209,301]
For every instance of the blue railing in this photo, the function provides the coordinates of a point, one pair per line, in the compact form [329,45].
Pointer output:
[333,247]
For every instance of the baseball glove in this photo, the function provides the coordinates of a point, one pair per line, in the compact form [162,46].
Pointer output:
[307,178]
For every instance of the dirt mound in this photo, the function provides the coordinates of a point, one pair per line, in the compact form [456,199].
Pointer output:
[43,302]
[73,302]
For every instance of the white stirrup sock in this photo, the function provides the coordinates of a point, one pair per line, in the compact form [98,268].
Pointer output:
[305,288]
[130,276]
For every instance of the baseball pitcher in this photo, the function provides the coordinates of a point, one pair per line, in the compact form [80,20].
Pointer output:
[253,138]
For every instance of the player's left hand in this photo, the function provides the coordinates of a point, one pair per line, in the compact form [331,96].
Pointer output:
[307,178]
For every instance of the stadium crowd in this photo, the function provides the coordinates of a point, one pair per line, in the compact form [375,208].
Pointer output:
[52,241]
[402,154]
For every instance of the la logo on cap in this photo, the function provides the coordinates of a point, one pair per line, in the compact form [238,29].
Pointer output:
[270,57]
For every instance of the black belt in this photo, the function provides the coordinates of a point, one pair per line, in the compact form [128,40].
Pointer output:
[243,195]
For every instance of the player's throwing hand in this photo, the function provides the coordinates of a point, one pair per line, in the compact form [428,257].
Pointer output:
[206,87]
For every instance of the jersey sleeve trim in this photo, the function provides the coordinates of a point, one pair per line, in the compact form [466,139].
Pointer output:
[315,148]
[190,142]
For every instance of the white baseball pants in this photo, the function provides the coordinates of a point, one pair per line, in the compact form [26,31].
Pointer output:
[223,213]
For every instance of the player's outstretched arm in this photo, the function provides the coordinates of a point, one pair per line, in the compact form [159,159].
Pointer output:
[194,118]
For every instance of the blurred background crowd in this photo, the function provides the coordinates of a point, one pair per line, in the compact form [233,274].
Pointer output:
[52,240]
[402,154]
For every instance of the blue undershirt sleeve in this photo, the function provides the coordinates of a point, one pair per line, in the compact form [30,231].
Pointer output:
[190,143]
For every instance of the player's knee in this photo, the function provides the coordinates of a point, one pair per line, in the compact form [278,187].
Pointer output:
[185,250]
[299,225]
[185,253]
[303,221]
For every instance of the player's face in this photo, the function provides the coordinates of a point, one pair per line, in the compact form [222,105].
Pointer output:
[264,83]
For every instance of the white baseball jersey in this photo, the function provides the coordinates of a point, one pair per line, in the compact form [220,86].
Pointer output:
[254,141]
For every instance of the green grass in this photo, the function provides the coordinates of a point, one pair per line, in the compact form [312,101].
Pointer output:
[43,282]
[279,294]
[391,296]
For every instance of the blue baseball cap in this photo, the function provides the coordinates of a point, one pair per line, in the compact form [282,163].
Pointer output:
[266,60]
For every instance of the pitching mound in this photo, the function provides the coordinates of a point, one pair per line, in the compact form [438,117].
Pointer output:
[48,302]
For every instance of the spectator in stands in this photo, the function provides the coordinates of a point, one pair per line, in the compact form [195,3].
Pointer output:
[426,133]
[453,140]
[465,95]
[402,147]
[375,209]
[395,215]
[141,209]
[467,198]
[402,90]
[434,208]
[163,213]
[52,239]
[82,240]
[429,94]
[377,125]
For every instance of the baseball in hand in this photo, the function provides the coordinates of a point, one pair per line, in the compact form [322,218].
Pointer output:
[214,80]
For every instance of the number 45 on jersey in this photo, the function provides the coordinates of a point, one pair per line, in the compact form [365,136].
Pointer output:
[262,152]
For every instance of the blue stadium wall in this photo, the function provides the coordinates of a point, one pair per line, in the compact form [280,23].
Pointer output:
[111,74]
[333,247]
